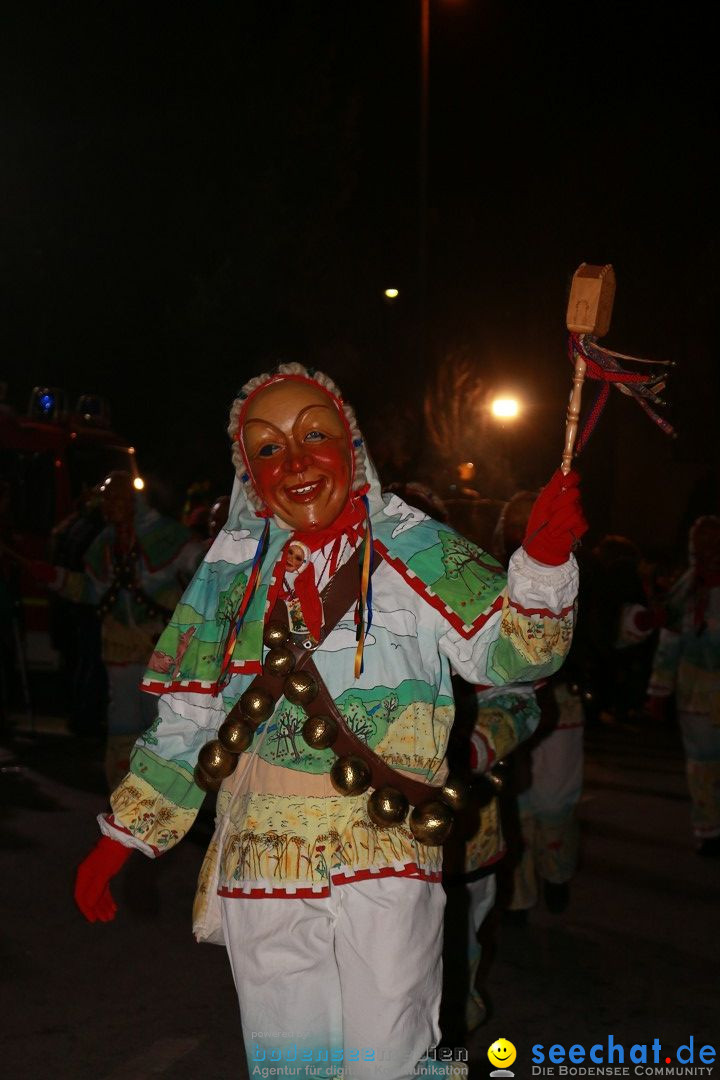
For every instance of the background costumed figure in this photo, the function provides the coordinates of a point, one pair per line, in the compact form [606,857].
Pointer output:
[135,571]
[687,665]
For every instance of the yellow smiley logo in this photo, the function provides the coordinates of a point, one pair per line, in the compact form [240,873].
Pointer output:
[502,1053]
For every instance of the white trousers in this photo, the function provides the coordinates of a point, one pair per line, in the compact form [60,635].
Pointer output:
[350,982]
[557,773]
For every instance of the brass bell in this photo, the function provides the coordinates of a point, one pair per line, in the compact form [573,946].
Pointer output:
[235,735]
[387,806]
[300,688]
[350,775]
[257,706]
[215,761]
[320,732]
[203,781]
[431,823]
[279,661]
[455,793]
[275,635]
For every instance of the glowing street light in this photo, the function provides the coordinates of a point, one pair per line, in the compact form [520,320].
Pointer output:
[391,294]
[138,483]
[505,408]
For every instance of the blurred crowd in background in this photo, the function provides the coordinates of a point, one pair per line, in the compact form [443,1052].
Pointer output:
[645,652]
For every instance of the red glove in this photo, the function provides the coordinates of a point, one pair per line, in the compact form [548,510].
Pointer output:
[92,889]
[556,520]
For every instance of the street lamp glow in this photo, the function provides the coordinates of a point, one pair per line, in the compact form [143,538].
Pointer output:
[391,294]
[505,408]
[138,483]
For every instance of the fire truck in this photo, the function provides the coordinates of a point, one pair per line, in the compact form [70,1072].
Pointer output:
[49,457]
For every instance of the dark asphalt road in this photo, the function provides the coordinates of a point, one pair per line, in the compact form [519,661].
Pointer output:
[635,956]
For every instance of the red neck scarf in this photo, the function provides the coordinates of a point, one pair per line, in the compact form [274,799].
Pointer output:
[347,525]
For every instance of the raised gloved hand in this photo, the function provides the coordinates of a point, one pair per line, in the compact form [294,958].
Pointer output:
[92,889]
[556,520]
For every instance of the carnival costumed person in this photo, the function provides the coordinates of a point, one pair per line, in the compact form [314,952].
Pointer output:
[323,885]
[547,771]
[490,722]
[687,664]
[135,571]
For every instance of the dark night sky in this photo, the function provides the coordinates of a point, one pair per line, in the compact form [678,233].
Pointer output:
[190,187]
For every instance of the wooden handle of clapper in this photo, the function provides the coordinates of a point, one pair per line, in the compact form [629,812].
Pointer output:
[573,415]
[590,305]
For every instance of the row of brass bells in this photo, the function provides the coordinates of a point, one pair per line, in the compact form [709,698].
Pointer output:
[213,765]
[218,758]
[280,660]
[254,708]
[431,822]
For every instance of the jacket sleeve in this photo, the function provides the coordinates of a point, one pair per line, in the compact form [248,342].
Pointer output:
[157,802]
[506,716]
[529,635]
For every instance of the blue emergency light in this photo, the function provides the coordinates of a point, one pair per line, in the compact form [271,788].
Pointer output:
[47,403]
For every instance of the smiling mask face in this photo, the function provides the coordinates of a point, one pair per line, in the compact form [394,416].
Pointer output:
[297,448]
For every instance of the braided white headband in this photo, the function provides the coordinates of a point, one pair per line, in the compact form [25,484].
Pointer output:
[241,470]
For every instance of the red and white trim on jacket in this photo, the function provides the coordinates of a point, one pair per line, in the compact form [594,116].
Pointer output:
[337,877]
[447,612]
[110,820]
[419,586]
[545,612]
[197,686]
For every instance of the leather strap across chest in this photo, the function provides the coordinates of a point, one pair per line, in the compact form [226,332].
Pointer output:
[337,599]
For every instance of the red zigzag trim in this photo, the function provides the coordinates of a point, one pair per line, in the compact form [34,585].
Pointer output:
[419,586]
[308,893]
